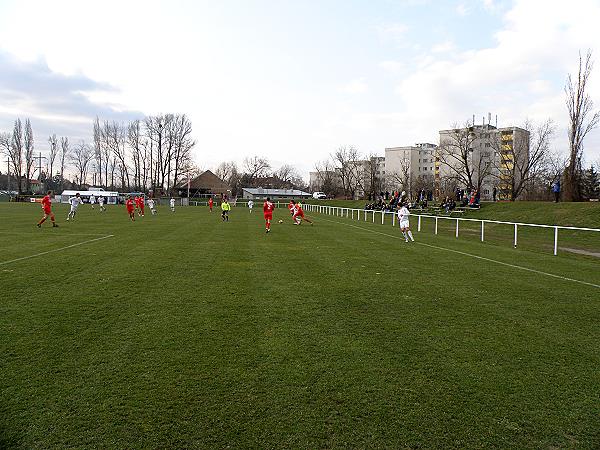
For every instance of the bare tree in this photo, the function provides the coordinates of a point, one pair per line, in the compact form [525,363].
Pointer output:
[181,156]
[114,136]
[582,120]
[347,160]
[256,167]
[29,161]
[402,177]
[5,148]
[456,153]
[65,152]
[327,180]
[371,180]
[225,170]
[287,177]
[517,164]
[98,154]
[81,158]
[53,142]
[16,153]
[138,153]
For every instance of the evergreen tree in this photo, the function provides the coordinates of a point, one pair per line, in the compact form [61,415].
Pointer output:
[591,183]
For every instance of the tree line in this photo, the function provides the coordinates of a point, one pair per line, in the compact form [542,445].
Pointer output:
[257,171]
[154,153]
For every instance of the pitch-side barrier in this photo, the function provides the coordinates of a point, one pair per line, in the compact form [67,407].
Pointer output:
[380,216]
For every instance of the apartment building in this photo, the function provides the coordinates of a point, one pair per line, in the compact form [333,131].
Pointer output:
[487,153]
[410,168]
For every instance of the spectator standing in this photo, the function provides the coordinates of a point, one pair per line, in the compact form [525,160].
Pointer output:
[556,190]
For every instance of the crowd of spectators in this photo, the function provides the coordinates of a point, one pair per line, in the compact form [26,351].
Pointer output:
[470,198]
[390,201]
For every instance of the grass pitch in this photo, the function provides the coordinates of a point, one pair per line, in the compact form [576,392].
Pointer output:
[182,331]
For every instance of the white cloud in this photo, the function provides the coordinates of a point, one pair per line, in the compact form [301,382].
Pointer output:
[358,86]
[462,9]
[521,76]
[443,47]
[394,33]
[391,66]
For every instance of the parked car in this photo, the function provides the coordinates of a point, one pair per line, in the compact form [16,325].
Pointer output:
[319,195]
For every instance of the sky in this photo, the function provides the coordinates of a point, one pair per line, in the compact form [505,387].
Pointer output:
[294,80]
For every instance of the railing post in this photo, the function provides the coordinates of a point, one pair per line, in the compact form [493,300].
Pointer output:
[436,221]
[373,216]
[352,214]
[382,216]
[515,236]
[555,240]
[456,227]
[419,224]
[482,222]
[393,219]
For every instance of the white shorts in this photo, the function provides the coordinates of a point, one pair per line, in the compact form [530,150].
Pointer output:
[73,208]
[404,224]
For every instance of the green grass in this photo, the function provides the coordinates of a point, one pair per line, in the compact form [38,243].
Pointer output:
[183,331]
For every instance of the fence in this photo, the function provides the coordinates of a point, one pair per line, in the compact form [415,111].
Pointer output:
[377,216]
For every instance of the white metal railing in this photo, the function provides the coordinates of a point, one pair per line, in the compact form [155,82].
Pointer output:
[369,215]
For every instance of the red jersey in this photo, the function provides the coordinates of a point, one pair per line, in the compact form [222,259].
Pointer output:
[46,203]
[268,208]
[129,205]
[298,211]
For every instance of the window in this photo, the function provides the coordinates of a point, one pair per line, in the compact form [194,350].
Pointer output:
[419,159]
[487,144]
[424,168]
[486,191]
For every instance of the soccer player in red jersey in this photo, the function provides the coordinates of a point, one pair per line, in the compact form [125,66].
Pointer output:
[141,205]
[291,207]
[47,207]
[130,208]
[299,215]
[210,204]
[268,208]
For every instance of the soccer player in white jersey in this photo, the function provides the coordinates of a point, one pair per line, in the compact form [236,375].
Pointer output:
[403,214]
[92,200]
[151,206]
[172,204]
[250,205]
[101,204]
[74,202]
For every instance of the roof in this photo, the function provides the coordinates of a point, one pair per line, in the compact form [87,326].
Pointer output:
[287,192]
[206,180]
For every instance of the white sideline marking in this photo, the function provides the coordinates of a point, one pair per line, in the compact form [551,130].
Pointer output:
[473,256]
[56,250]
[32,233]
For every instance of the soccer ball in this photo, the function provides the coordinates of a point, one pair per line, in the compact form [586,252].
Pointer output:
[280,221]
